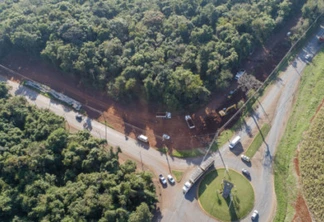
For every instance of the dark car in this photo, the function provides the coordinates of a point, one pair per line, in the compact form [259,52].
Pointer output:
[246,172]
[78,117]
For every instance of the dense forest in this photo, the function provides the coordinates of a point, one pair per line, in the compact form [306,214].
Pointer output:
[47,174]
[173,51]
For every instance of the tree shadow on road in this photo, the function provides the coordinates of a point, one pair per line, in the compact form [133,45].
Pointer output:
[24,91]
[157,215]
[247,128]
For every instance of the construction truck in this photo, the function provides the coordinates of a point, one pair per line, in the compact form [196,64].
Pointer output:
[199,171]
[164,115]
[227,110]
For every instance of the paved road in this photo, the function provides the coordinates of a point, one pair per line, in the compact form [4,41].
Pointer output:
[176,206]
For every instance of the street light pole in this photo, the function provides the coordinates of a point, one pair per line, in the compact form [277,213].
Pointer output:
[103,114]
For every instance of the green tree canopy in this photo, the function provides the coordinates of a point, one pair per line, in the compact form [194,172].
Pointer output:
[47,174]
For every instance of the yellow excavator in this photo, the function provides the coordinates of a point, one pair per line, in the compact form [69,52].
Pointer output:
[227,110]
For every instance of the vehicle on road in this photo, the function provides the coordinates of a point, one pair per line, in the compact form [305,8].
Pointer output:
[78,117]
[199,171]
[189,121]
[234,142]
[143,138]
[245,172]
[239,74]
[170,179]
[162,180]
[255,215]
[164,115]
[193,179]
[245,158]
[308,57]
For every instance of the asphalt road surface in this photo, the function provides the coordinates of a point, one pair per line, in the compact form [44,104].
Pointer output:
[175,206]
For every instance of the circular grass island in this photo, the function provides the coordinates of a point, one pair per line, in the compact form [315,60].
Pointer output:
[235,206]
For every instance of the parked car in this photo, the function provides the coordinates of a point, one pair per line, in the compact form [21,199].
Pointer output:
[308,57]
[245,172]
[143,138]
[255,215]
[245,158]
[171,180]
[162,179]
[239,74]
[78,117]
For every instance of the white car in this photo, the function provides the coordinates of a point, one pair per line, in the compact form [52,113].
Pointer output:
[239,74]
[162,179]
[245,158]
[171,180]
[254,215]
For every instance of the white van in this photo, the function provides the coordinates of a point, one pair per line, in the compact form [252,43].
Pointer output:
[235,141]
[143,138]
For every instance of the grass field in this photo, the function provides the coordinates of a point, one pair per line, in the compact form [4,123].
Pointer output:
[309,96]
[225,136]
[258,140]
[186,153]
[213,202]
[178,175]
[311,161]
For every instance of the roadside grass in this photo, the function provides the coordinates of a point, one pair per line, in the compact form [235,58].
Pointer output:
[107,124]
[258,140]
[178,175]
[186,153]
[312,167]
[163,149]
[212,201]
[309,96]
[224,137]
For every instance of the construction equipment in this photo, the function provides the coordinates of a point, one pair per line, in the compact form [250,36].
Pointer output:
[227,110]
[164,115]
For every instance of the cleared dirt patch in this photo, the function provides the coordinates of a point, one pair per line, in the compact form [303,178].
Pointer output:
[134,118]
[302,213]
[301,210]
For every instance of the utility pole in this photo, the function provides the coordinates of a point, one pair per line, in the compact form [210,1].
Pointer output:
[140,152]
[105,128]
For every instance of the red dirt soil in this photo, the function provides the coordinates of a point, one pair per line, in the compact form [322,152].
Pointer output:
[301,210]
[302,213]
[139,118]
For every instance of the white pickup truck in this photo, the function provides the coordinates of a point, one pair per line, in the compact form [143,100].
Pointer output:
[189,121]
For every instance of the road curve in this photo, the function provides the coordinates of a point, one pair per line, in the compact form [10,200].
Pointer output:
[176,206]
